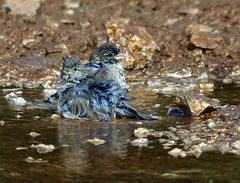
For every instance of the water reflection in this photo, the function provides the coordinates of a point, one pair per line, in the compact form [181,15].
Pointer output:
[74,134]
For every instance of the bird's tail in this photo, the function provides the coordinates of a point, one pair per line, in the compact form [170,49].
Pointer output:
[126,110]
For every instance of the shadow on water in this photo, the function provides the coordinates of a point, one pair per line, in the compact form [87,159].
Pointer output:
[76,160]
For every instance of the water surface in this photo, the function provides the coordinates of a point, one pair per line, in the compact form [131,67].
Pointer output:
[76,160]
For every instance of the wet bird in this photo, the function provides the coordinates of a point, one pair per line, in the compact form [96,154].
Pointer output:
[96,89]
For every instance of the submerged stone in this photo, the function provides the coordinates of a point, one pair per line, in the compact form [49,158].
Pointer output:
[19,101]
[43,148]
[140,142]
[96,141]
[141,132]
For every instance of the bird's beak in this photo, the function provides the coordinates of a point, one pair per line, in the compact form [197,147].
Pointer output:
[120,56]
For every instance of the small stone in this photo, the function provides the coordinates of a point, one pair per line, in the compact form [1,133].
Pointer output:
[11,95]
[236,71]
[171,21]
[19,101]
[236,144]
[141,132]
[21,148]
[96,141]
[140,142]
[34,134]
[177,152]
[18,116]
[69,12]
[157,105]
[19,92]
[191,11]
[211,124]
[206,86]
[203,41]
[43,149]
[169,143]
[67,21]
[227,80]
[70,4]
[51,24]
[27,41]
[32,160]
[60,48]
[196,151]
[161,141]
[55,116]
[29,159]
[2,123]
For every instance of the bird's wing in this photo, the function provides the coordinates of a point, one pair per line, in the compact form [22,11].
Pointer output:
[104,99]
[74,102]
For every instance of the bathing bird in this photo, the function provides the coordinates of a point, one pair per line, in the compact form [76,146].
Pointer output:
[96,89]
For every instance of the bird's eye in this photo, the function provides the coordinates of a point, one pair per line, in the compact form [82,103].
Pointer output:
[75,69]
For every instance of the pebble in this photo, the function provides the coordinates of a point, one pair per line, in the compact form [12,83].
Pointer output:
[140,142]
[96,141]
[32,160]
[177,152]
[70,4]
[55,116]
[18,101]
[27,41]
[227,80]
[196,151]
[236,144]
[190,11]
[203,41]
[43,149]
[21,148]
[11,95]
[34,134]
[2,123]
[141,132]
[18,116]
[157,105]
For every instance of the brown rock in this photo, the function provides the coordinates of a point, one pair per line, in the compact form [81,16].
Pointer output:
[203,41]
[195,104]
[135,41]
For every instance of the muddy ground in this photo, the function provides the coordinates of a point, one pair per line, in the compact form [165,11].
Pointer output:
[191,38]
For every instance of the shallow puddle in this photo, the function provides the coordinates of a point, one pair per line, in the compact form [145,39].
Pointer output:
[76,160]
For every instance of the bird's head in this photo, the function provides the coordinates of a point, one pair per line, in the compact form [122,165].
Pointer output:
[106,53]
[69,66]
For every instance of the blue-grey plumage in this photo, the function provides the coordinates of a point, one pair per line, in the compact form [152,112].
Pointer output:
[97,89]
[91,99]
